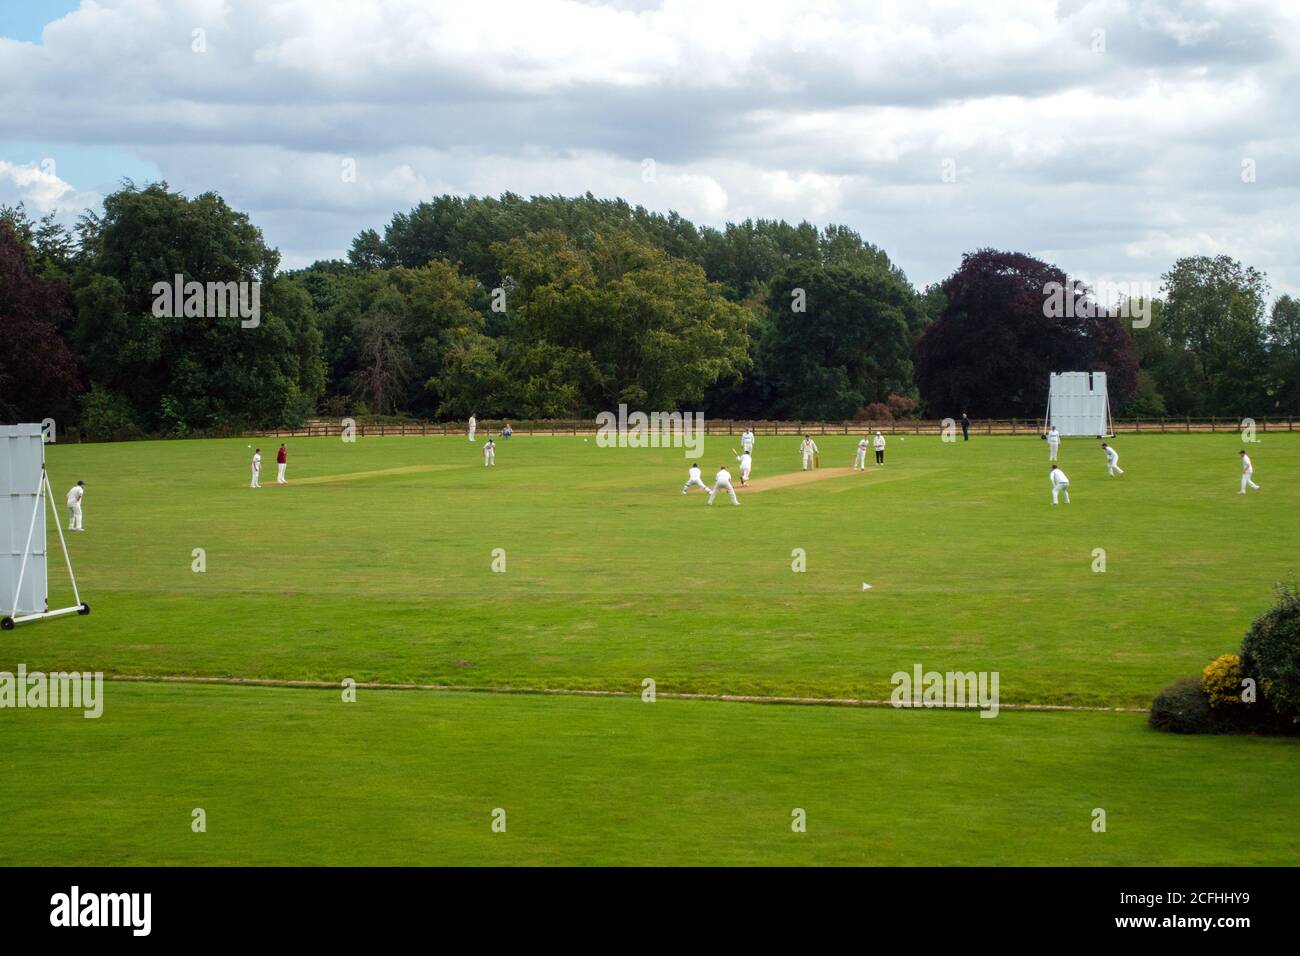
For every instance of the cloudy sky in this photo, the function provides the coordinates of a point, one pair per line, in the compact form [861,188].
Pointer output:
[1108,136]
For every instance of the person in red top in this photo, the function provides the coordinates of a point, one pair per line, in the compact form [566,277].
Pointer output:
[282,462]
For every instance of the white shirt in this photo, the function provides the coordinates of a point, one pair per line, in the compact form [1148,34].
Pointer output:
[490,447]
[879,441]
[745,461]
[723,477]
[1053,437]
[74,496]
[1058,477]
[862,445]
[1112,455]
[1246,466]
[694,473]
[257,461]
[808,445]
[747,438]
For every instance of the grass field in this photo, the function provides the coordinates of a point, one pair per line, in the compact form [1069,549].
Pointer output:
[375,563]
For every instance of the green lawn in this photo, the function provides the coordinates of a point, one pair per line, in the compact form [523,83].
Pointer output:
[375,564]
[413,778]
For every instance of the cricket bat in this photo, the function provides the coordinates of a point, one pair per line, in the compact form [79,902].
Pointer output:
[817,459]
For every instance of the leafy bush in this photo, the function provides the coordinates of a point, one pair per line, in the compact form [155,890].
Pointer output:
[900,406]
[1222,681]
[875,412]
[1184,708]
[107,416]
[1270,654]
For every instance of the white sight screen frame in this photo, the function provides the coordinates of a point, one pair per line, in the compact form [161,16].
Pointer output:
[22,458]
[1078,404]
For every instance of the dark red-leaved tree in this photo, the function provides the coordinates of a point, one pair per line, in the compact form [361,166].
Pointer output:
[990,351]
[38,373]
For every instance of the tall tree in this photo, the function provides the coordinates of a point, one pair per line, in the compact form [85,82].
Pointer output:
[38,373]
[1284,354]
[1009,320]
[839,337]
[198,371]
[1214,310]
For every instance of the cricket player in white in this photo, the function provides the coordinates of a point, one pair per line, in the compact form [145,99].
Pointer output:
[860,460]
[74,506]
[879,443]
[489,453]
[807,448]
[747,440]
[723,480]
[693,479]
[746,462]
[473,427]
[1053,443]
[1247,470]
[1112,461]
[257,469]
[1060,485]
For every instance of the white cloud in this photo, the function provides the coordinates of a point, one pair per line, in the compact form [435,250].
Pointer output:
[829,110]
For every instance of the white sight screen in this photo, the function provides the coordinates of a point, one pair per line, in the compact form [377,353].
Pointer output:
[22,454]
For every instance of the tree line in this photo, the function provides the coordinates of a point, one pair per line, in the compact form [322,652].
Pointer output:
[562,307]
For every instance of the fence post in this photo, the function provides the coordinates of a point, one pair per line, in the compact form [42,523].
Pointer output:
[1212,424]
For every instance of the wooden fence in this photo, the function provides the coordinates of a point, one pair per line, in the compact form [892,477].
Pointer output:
[322,428]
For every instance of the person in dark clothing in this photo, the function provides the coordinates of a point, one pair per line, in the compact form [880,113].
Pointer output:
[965,427]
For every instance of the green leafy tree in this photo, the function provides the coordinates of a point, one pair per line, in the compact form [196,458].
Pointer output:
[1214,312]
[839,338]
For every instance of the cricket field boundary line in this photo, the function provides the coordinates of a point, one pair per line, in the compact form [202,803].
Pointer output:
[578,692]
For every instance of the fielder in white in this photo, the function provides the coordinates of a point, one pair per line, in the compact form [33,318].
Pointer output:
[723,480]
[693,479]
[747,440]
[1112,461]
[879,443]
[860,459]
[473,427]
[1247,470]
[1053,443]
[75,495]
[746,461]
[1060,485]
[257,469]
[489,453]
[807,448]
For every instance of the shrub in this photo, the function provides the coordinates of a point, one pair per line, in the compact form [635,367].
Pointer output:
[900,406]
[875,412]
[107,416]
[1184,708]
[1222,681]
[1270,654]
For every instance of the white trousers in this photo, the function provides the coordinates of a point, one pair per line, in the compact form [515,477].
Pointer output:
[807,460]
[74,517]
[279,472]
[861,460]
[490,458]
[1113,468]
[730,490]
[696,482]
[472,430]
[1052,448]
[1246,480]
[744,475]
[1061,489]
[255,483]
